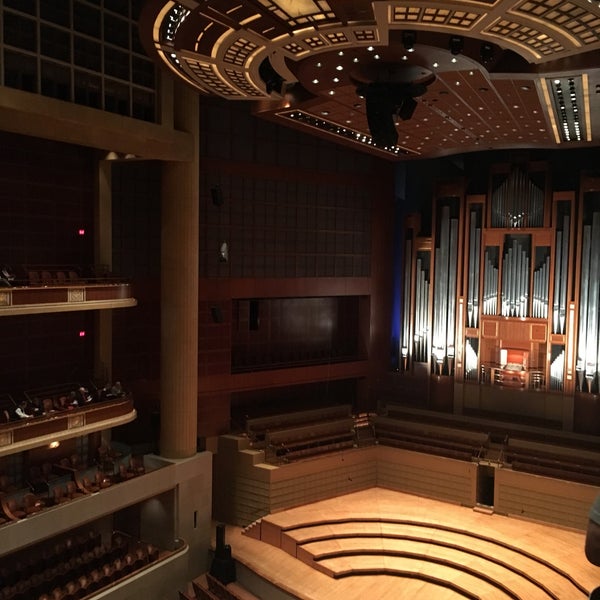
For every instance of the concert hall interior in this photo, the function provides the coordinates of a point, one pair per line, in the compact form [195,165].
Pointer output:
[298,299]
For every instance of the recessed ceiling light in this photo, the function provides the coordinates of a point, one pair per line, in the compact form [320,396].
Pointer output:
[370,48]
[336,80]
[453,60]
[319,65]
[377,57]
[355,59]
[341,53]
[324,112]
[331,92]
[315,81]
[339,68]
[435,65]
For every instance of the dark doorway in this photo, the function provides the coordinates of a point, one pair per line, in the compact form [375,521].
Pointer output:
[485,485]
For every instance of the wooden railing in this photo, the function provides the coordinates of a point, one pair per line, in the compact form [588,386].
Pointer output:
[17,435]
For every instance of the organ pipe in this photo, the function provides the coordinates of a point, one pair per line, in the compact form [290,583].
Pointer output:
[591,355]
[445,292]
[515,280]
[490,285]
[583,299]
[517,202]
[406,320]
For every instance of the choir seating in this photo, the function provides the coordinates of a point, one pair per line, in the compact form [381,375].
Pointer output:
[257,427]
[432,439]
[293,443]
[553,460]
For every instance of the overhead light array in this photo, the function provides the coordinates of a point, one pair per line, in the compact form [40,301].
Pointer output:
[340,131]
[566,94]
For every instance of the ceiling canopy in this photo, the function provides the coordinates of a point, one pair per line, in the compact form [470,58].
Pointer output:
[401,79]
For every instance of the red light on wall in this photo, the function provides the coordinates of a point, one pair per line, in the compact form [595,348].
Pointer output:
[81,232]
[82,333]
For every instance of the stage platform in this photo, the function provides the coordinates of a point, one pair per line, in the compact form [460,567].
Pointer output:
[386,545]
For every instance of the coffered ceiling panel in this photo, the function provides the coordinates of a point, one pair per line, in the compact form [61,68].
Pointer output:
[401,79]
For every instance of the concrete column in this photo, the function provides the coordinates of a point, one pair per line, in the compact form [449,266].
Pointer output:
[179,289]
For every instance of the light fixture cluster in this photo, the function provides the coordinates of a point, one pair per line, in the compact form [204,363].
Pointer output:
[344,132]
[567,109]
[176,16]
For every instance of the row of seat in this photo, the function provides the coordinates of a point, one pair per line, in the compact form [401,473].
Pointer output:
[23,566]
[48,278]
[284,445]
[257,427]
[216,590]
[74,576]
[52,491]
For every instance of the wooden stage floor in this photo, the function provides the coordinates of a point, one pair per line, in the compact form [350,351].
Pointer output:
[384,545]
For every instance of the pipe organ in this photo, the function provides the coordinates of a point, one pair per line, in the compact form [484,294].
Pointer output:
[512,272]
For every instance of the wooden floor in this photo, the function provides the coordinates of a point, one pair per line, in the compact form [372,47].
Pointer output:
[384,545]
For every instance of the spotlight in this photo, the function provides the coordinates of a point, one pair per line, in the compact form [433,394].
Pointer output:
[409,39]
[456,44]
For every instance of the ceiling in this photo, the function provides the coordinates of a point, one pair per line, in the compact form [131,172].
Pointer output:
[522,73]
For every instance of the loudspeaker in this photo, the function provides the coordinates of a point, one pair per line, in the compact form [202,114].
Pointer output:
[407,108]
[223,565]
[380,108]
[253,317]
[217,195]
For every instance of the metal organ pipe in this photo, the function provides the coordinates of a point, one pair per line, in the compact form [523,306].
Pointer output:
[562,308]
[453,261]
[557,267]
[444,310]
[471,291]
[405,342]
[476,285]
[490,285]
[583,298]
[591,357]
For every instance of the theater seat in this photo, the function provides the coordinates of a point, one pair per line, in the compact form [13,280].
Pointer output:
[59,494]
[32,504]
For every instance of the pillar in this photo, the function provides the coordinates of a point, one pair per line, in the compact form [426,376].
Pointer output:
[103,255]
[179,288]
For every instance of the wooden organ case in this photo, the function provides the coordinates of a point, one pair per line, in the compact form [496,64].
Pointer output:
[505,292]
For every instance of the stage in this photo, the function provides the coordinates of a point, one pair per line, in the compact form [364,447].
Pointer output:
[385,545]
